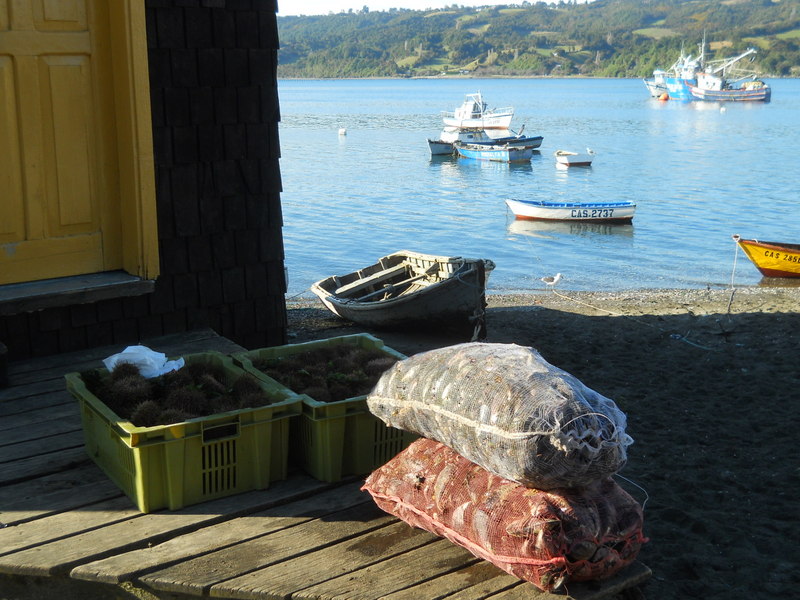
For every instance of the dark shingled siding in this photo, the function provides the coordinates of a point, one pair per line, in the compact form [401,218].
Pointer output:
[214,95]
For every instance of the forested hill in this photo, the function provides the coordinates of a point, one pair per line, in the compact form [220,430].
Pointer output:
[605,38]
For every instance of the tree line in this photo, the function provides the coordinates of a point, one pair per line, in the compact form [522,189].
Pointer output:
[605,38]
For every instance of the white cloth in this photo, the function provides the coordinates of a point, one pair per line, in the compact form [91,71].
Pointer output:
[150,363]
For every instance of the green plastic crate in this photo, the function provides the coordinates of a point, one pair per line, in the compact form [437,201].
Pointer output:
[176,465]
[332,440]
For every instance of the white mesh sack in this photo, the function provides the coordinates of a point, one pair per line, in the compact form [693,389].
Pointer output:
[507,409]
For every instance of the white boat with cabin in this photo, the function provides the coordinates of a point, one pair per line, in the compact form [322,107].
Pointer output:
[474,113]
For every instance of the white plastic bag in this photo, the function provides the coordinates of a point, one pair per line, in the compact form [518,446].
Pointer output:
[149,362]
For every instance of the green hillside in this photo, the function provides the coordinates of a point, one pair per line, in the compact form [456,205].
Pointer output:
[605,38]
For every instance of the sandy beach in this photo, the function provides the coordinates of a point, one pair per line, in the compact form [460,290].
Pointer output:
[710,383]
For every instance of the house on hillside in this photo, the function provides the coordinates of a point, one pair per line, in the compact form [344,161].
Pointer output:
[140,181]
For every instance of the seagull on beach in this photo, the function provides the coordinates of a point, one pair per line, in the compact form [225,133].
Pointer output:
[552,281]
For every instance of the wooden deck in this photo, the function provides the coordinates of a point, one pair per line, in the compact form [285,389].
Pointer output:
[67,532]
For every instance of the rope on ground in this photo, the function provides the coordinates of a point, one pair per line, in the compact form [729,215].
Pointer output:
[674,336]
[733,271]
[636,485]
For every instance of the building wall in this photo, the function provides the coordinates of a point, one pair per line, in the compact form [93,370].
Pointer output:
[215,117]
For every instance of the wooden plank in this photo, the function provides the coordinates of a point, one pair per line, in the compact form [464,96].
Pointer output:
[124,567]
[37,424]
[196,576]
[486,588]
[36,534]
[467,577]
[47,394]
[41,446]
[634,575]
[397,573]
[60,492]
[283,579]
[37,466]
[124,529]
[173,345]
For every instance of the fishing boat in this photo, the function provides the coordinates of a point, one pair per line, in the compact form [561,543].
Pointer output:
[598,212]
[474,113]
[717,90]
[574,159]
[496,153]
[726,81]
[409,288]
[773,259]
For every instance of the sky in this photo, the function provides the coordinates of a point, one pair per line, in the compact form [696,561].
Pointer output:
[323,7]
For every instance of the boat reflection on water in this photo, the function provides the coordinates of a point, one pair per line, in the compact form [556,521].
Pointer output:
[544,229]
[516,166]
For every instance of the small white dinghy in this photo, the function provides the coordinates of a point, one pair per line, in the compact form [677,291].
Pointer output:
[574,159]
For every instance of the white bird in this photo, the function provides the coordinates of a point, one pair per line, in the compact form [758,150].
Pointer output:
[552,281]
[342,131]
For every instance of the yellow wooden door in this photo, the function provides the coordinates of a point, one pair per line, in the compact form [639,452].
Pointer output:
[59,204]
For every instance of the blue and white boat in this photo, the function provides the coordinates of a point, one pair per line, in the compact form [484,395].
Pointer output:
[597,212]
[497,153]
[682,74]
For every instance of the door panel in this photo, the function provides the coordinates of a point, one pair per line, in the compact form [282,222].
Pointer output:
[57,125]
[11,205]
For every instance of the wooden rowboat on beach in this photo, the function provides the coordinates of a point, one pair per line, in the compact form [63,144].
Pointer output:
[409,288]
[773,259]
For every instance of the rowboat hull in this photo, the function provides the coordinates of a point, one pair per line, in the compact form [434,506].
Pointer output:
[533,142]
[407,289]
[762,94]
[573,159]
[440,148]
[772,259]
[495,153]
[597,212]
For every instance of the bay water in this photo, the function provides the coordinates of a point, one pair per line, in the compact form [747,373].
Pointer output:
[698,172]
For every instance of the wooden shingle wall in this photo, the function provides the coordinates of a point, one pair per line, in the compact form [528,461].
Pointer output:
[215,133]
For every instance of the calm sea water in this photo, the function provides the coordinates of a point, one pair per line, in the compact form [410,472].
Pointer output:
[697,173]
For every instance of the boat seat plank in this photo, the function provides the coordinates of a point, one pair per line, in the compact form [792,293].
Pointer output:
[197,575]
[359,285]
[392,575]
[284,578]
[124,567]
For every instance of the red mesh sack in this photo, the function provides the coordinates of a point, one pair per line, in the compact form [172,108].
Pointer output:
[544,537]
